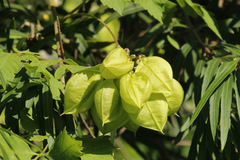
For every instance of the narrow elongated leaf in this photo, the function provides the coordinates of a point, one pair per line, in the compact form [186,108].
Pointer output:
[214,111]
[237,89]
[233,49]
[173,42]
[229,68]
[210,21]
[2,80]
[226,101]
[117,5]
[13,147]
[210,73]
[66,148]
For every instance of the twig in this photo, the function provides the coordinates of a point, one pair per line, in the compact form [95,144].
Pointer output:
[42,153]
[57,31]
[90,15]
[220,3]
[86,125]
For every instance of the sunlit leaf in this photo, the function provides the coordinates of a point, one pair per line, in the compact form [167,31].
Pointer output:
[9,66]
[210,73]
[154,7]
[66,148]
[117,5]
[226,101]
[13,147]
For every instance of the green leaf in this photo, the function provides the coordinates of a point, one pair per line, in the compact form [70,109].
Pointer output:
[2,80]
[229,68]
[210,21]
[60,72]
[173,42]
[233,49]
[237,90]
[55,87]
[117,5]
[210,73]
[13,147]
[214,111]
[9,66]
[38,138]
[97,148]
[154,7]
[66,147]
[226,101]
[15,34]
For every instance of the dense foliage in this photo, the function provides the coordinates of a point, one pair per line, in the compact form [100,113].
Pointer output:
[69,91]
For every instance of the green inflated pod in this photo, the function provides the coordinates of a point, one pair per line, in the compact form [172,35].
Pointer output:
[116,64]
[175,98]
[106,100]
[159,72]
[135,90]
[153,114]
[79,93]
[117,119]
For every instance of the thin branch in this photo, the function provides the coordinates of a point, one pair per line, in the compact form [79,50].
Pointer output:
[42,153]
[57,31]
[90,15]
[196,34]
[86,125]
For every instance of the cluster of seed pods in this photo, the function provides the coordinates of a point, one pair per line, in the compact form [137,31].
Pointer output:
[123,93]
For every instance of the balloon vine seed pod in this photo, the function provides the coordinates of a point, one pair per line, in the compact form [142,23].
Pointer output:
[116,64]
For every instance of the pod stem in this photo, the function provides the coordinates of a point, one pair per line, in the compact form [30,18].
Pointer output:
[90,15]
